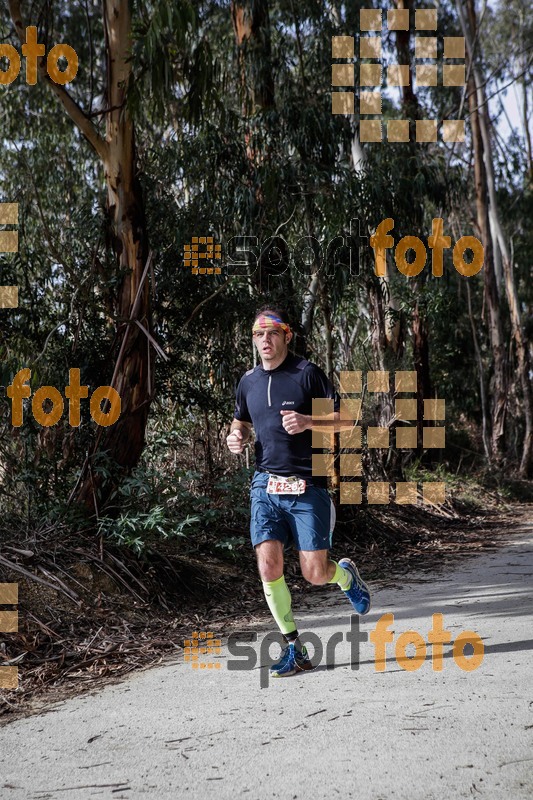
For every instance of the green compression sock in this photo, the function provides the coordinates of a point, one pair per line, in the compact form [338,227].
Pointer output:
[278,598]
[341,576]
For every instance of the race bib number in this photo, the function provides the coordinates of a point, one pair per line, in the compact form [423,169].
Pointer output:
[278,485]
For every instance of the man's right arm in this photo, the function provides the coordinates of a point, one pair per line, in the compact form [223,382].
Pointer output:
[238,435]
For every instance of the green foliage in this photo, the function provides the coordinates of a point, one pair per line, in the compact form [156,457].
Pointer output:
[167,498]
[210,164]
[134,530]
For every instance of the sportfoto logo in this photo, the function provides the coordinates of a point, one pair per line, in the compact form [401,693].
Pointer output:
[200,254]
[9,623]
[202,643]
[9,243]
[402,426]
[32,51]
[371,74]
[18,390]
[380,637]
[245,254]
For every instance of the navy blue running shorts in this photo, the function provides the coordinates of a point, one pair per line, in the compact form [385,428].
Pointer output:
[307,520]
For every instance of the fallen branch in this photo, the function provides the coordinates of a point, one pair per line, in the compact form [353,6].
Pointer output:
[17,568]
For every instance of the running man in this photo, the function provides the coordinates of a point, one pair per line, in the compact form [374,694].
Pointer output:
[287,500]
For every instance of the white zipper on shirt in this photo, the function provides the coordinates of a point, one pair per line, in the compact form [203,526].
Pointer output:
[268,390]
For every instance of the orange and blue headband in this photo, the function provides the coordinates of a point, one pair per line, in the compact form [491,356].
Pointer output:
[269,322]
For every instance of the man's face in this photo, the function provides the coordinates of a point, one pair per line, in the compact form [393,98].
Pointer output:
[271,343]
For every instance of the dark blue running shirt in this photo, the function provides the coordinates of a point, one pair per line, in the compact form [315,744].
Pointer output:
[263,393]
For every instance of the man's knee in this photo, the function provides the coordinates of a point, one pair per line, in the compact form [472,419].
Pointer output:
[270,570]
[270,560]
[315,574]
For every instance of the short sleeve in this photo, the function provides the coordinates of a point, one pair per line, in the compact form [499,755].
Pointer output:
[241,409]
[321,386]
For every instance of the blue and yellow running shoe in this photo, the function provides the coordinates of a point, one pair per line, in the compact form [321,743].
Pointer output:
[358,594]
[292,660]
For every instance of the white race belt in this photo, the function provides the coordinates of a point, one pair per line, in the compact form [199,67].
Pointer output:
[278,484]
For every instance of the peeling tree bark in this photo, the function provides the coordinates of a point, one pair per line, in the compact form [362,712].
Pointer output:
[482,388]
[501,249]
[124,440]
[403,49]
[251,25]
[499,382]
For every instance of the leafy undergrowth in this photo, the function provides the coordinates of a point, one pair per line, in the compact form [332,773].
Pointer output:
[94,607]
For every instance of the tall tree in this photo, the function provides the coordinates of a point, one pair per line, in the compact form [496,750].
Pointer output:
[251,25]
[133,373]
[478,110]
[522,62]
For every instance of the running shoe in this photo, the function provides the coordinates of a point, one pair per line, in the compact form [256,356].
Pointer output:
[292,660]
[358,593]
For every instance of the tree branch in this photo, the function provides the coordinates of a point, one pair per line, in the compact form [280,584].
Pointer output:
[75,112]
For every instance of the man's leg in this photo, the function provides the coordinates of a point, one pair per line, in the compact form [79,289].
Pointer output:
[313,522]
[270,565]
[317,568]
[269,531]
[294,657]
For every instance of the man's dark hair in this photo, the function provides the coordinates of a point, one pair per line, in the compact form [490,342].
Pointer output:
[279,312]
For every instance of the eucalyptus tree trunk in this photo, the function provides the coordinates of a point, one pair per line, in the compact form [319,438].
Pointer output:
[327,329]
[482,387]
[524,368]
[403,49]
[500,246]
[478,110]
[251,25]
[135,375]
[525,124]
[133,372]
[411,109]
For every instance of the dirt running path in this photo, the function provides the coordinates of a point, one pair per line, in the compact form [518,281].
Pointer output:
[174,732]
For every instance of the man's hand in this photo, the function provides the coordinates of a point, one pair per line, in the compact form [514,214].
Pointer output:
[294,422]
[235,441]
[238,435]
